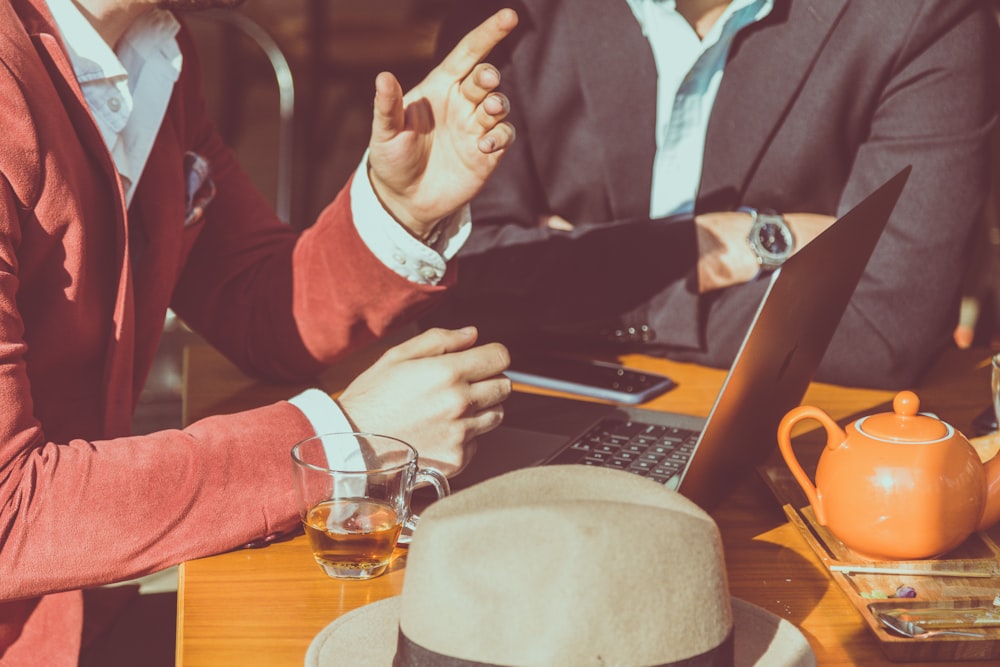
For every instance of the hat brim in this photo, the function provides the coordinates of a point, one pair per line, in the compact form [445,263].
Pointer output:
[366,637]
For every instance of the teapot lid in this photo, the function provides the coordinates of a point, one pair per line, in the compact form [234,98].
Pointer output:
[904,424]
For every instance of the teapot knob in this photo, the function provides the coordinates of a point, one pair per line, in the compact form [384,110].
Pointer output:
[906,404]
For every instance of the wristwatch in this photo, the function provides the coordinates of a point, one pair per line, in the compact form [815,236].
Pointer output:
[771,239]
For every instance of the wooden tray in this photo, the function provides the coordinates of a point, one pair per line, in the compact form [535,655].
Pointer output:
[968,576]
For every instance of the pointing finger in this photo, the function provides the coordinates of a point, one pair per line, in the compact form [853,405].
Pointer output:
[477,44]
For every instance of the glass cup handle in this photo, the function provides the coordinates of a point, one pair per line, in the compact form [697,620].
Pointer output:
[435,478]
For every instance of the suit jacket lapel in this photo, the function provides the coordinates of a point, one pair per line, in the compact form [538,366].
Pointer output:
[64,80]
[118,378]
[41,28]
[623,86]
[759,83]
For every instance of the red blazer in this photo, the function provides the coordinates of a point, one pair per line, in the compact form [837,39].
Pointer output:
[84,287]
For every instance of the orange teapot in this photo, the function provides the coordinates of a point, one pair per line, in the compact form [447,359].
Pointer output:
[897,485]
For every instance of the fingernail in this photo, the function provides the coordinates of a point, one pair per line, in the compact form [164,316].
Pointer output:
[496,104]
[487,144]
[467,331]
[491,76]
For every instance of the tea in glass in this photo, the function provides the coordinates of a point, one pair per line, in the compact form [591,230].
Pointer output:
[354,537]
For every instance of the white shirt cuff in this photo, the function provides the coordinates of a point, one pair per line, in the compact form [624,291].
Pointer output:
[394,246]
[326,417]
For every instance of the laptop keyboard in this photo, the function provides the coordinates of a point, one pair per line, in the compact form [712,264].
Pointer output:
[657,452]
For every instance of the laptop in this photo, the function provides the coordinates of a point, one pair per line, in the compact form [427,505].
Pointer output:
[702,458]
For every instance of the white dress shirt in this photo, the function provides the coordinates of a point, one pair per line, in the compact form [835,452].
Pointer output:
[128,89]
[689,70]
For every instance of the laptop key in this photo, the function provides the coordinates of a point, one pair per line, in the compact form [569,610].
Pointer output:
[640,465]
[661,478]
[643,441]
[653,431]
[666,468]
[629,429]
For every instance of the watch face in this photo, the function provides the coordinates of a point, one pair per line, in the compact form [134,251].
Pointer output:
[771,240]
[774,238]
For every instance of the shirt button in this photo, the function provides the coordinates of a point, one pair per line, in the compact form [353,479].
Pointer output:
[428,272]
[399,258]
[114,104]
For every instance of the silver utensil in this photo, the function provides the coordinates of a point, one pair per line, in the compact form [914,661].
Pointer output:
[914,631]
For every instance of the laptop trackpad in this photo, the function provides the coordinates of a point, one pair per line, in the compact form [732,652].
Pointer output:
[506,448]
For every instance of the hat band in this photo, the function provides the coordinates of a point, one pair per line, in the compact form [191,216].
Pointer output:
[411,654]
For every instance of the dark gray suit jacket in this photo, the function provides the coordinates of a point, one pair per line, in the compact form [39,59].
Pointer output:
[820,103]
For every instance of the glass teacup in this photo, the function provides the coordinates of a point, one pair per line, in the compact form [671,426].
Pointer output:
[354,493]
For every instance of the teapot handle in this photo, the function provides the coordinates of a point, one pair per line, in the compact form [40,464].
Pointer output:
[834,437]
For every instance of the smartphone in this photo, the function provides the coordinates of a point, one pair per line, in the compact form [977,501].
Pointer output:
[597,379]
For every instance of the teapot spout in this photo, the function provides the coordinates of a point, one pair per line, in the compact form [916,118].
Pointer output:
[991,513]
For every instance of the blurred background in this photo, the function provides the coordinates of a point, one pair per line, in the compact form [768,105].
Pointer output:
[333,49]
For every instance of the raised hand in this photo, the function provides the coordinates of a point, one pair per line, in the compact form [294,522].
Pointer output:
[435,391]
[432,150]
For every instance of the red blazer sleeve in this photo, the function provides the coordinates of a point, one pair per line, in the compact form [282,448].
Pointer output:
[84,511]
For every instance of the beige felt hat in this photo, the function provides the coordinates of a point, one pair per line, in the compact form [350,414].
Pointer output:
[562,566]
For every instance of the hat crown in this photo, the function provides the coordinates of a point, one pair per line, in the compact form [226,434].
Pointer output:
[566,565]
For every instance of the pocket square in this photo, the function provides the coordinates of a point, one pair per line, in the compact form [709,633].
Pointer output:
[199,186]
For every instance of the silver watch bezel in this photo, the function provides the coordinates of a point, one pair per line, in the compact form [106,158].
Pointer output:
[769,259]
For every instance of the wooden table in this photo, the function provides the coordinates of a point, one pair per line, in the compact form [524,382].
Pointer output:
[264,606]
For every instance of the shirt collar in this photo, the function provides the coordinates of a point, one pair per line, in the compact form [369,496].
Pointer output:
[152,38]
[747,11]
[90,55]
[153,35]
